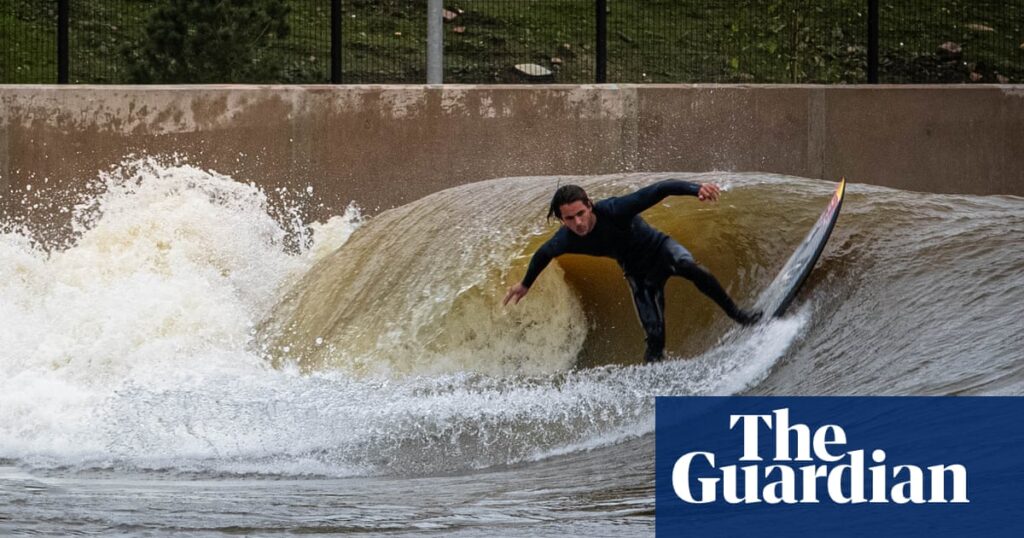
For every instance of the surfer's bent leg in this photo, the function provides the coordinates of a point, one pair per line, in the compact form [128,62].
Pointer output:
[683,265]
[649,300]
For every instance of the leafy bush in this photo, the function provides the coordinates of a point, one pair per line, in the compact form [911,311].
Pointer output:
[202,41]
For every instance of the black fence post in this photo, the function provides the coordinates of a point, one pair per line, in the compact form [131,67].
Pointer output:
[601,69]
[63,20]
[872,41]
[335,41]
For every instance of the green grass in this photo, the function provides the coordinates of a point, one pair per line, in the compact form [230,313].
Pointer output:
[800,41]
[28,43]
[991,34]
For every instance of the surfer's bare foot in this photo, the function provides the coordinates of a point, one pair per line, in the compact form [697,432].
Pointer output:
[748,317]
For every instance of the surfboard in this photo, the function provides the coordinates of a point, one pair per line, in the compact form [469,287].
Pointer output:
[777,297]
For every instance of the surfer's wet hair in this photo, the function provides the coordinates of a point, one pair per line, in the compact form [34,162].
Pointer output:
[567,194]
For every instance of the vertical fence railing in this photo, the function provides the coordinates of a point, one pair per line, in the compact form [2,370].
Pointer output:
[336,41]
[435,42]
[601,35]
[873,42]
[63,41]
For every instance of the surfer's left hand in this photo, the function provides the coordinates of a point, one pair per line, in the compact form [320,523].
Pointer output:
[515,293]
[709,192]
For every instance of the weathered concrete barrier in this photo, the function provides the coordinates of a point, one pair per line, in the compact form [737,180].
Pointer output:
[386,145]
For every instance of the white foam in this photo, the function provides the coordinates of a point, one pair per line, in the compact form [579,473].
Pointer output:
[171,269]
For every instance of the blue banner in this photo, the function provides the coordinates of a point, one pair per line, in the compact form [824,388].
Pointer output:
[839,466]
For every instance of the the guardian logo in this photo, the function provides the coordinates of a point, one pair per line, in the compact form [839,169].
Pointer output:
[809,467]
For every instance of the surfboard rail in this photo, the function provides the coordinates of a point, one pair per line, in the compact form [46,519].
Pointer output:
[779,295]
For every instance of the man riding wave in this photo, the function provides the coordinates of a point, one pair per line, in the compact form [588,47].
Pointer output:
[613,228]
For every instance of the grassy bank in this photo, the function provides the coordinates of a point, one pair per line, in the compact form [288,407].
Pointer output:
[648,41]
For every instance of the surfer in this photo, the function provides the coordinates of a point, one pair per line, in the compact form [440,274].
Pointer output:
[613,228]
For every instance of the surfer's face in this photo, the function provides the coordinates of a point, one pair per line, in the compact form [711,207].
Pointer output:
[578,217]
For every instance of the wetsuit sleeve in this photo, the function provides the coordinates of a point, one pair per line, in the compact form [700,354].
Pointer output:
[636,203]
[547,252]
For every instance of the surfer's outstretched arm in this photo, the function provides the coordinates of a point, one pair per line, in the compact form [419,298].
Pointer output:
[641,200]
[547,252]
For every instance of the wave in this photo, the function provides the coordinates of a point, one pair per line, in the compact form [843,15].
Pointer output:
[178,329]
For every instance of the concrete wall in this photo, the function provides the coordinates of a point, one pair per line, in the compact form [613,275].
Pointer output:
[386,145]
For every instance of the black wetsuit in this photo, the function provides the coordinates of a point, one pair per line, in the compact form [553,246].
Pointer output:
[647,256]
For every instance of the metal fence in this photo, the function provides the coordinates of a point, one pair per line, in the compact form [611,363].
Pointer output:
[566,41]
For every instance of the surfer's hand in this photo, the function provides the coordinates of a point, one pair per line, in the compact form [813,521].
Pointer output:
[515,293]
[709,192]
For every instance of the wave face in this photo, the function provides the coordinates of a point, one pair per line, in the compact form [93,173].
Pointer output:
[188,327]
